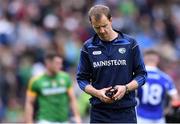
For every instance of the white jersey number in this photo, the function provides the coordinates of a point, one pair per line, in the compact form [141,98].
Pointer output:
[152,94]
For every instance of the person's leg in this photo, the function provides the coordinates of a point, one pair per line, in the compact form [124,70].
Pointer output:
[98,115]
[141,120]
[125,115]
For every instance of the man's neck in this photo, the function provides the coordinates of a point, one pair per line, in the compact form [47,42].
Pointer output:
[113,35]
[50,74]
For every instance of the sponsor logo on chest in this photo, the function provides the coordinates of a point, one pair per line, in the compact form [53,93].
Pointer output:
[122,50]
[54,90]
[109,63]
[96,52]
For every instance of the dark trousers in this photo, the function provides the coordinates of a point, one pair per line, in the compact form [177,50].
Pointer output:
[101,115]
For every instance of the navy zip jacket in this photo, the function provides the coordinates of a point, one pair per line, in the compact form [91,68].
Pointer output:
[103,64]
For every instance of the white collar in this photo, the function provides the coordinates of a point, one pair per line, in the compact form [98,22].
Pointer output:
[151,68]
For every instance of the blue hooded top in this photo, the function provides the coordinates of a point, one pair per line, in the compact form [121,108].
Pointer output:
[103,64]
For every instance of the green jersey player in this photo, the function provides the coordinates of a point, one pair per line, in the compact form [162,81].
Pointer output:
[54,93]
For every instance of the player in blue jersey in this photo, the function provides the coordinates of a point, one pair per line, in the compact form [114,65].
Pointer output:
[110,59]
[152,94]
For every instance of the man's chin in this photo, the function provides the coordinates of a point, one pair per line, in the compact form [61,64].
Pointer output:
[54,73]
[103,38]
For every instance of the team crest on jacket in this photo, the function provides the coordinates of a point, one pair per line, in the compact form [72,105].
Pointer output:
[96,52]
[122,50]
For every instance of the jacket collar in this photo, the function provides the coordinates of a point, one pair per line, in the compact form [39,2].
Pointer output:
[97,40]
[151,68]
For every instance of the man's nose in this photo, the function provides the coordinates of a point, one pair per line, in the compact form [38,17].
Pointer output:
[101,30]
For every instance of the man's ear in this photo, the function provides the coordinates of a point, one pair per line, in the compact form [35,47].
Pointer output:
[110,19]
[90,20]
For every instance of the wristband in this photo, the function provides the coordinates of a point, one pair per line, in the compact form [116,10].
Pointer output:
[127,89]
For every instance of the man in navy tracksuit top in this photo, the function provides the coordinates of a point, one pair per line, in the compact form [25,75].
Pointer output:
[110,59]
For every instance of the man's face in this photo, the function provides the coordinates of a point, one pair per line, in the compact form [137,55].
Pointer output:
[102,27]
[54,65]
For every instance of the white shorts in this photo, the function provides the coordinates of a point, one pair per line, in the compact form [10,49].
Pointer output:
[141,120]
[49,122]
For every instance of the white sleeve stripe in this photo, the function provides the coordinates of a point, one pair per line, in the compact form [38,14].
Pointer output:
[84,51]
[134,46]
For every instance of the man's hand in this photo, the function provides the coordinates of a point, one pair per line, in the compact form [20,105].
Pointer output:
[121,90]
[101,95]
[110,93]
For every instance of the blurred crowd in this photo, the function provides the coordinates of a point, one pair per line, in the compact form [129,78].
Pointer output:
[28,28]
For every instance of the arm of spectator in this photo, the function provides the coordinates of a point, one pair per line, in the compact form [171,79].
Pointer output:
[29,106]
[73,104]
[175,100]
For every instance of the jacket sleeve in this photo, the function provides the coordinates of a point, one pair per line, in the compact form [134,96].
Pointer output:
[139,70]
[84,69]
